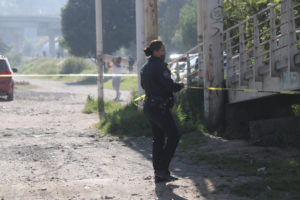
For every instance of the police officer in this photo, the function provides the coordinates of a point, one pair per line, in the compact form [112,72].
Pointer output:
[159,87]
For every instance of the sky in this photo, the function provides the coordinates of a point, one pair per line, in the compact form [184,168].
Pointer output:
[31,7]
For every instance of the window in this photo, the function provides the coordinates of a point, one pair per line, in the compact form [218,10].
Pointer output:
[3,65]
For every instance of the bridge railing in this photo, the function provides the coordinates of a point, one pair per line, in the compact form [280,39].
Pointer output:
[263,45]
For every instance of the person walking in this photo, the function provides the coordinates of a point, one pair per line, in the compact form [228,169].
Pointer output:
[159,88]
[130,64]
[117,68]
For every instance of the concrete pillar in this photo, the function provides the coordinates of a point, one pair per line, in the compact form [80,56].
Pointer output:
[151,21]
[140,40]
[99,57]
[213,63]
[51,45]
[19,38]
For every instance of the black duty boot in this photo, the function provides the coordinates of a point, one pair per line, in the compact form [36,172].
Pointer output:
[165,175]
[159,180]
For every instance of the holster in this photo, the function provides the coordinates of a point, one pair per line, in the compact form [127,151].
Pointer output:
[159,102]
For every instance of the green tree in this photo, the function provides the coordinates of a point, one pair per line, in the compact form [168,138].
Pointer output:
[186,36]
[238,10]
[168,20]
[79,31]
[4,48]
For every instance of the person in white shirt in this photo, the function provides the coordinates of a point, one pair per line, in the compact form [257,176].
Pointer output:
[117,68]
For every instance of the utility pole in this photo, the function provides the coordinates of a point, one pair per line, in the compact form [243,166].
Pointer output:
[213,63]
[151,21]
[146,31]
[140,40]
[99,57]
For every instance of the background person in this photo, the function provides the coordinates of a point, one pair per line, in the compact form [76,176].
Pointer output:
[117,68]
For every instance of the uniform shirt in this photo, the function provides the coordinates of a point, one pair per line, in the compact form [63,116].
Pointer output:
[156,79]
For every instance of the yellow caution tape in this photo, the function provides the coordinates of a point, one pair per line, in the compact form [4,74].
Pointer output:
[233,89]
[144,96]
[139,99]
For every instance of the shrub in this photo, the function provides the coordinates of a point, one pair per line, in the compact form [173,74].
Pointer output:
[296,110]
[188,110]
[14,59]
[40,66]
[74,65]
[126,121]
[91,105]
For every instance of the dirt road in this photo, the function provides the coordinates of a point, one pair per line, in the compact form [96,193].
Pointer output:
[49,150]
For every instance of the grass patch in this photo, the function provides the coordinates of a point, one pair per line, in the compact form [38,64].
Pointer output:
[126,121]
[129,120]
[41,66]
[91,106]
[25,86]
[71,65]
[119,120]
[127,83]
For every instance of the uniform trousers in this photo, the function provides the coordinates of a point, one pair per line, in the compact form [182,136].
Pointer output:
[163,125]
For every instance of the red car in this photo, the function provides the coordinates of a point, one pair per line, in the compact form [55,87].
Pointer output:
[6,83]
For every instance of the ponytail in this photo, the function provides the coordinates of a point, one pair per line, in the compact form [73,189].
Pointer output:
[154,45]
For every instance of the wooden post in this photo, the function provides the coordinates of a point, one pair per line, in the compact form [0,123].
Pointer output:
[213,63]
[99,57]
[200,21]
[188,70]
[177,72]
[151,29]
[140,40]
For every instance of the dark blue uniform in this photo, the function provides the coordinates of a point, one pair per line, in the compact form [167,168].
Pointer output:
[159,87]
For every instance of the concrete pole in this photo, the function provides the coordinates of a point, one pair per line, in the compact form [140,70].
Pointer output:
[18,34]
[151,21]
[51,45]
[140,40]
[213,63]
[99,57]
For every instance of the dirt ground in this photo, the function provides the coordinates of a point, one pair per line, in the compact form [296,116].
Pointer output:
[50,150]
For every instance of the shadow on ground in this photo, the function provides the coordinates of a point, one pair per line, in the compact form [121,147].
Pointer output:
[208,183]
[3,99]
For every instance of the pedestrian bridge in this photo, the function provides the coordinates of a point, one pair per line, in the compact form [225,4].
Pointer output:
[14,29]
[260,53]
